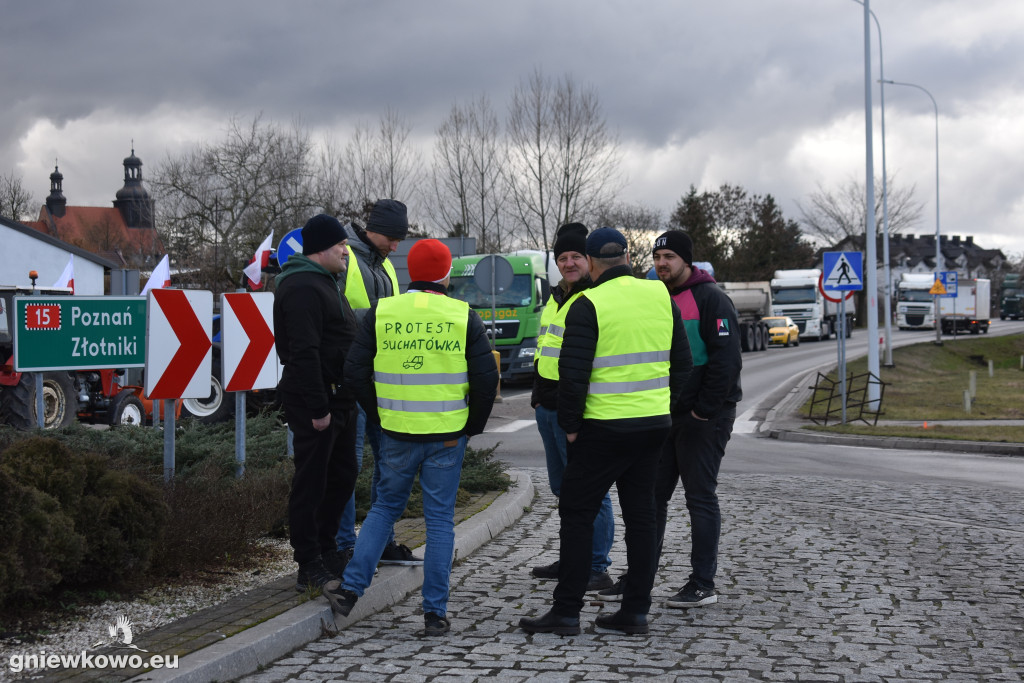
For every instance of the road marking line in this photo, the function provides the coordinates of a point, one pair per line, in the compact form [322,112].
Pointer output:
[513,426]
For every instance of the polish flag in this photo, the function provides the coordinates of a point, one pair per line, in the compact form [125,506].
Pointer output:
[254,271]
[161,276]
[67,278]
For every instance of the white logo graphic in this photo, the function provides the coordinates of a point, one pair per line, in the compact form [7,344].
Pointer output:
[123,625]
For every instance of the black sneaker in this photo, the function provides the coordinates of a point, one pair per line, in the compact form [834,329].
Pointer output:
[691,596]
[547,571]
[614,592]
[400,555]
[313,575]
[337,560]
[435,624]
[342,601]
[599,581]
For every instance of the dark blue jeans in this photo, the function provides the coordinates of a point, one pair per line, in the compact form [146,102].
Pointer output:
[693,452]
[346,537]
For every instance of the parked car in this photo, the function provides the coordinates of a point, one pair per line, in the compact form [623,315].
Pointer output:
[782,330]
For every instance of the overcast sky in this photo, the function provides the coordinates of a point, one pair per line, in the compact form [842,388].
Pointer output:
[766,94]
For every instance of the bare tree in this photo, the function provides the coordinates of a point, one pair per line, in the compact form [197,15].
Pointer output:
[219,201]
[829,216]
[562,158]
[469,189]
[16,202]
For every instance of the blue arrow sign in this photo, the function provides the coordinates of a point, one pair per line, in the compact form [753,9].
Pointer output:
[290,244]
[844,271]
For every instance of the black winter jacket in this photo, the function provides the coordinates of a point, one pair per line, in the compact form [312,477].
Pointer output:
[577,359]
[313,329]
[482,370]
[545,391]
[713,388]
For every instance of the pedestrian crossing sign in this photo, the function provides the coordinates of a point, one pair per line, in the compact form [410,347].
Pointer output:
[844,271]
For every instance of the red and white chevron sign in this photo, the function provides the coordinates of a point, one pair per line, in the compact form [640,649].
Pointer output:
[178,346]
[248,356]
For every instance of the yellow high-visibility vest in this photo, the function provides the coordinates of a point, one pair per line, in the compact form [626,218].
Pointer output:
[549,341]
[420,370]
[355,288]
[630,376]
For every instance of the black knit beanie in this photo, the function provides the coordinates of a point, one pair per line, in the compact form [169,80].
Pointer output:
[321,232]
[570,237]
[390,218]
[677,241]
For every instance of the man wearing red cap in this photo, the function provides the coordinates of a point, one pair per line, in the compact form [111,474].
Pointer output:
[421,367]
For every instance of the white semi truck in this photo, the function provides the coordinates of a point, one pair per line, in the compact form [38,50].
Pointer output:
[915,305]
[796,293]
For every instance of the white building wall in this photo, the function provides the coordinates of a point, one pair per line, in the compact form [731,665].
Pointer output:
[21,253]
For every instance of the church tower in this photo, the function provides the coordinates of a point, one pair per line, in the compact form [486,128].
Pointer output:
[56,204]
[133,201]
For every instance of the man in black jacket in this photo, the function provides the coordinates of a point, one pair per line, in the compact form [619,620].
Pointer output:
[703,418]
[314,327]
[422,368]
[624,359]
[570,258]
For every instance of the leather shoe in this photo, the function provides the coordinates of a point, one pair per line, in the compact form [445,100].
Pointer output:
[551,623]
[620,621]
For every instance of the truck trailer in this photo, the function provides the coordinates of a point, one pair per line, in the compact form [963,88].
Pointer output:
[753,301]
[969,310]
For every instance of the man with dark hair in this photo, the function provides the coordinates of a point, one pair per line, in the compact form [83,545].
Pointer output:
[624,358]
[703,418]
[372,277]
[314,327]
[570,258]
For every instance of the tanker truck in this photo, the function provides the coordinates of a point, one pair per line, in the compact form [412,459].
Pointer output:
[753,301]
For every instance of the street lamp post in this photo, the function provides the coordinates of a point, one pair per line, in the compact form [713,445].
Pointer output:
[885,202]
[938,241]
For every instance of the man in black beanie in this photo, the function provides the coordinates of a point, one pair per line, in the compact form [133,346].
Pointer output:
[372,277]
[702,419]
[314,327]
[570,249]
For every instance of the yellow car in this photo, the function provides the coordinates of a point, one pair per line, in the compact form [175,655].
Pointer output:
[782,330]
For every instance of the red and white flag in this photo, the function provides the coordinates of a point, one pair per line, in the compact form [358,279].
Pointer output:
[161,277]
[254,271]
[67,278]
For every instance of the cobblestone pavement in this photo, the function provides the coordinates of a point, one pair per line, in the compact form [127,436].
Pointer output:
[820,580]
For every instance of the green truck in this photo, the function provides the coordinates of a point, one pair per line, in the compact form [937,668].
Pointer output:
[517,309]
[1011,298]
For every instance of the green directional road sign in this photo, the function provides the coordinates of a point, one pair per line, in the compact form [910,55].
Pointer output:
[79,332]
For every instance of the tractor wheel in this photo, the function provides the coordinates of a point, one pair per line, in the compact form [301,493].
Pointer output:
[214,408]
[127,409]
[60,402]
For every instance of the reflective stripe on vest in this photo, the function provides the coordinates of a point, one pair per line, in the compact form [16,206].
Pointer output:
[547,358]
[355,287]
[419,369]
[630,375]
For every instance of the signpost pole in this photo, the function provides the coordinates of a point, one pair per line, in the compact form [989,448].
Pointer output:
[240,433]
[168,440]
[40,403]
[842,355]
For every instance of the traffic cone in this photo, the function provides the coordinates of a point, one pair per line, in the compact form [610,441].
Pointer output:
[925,424]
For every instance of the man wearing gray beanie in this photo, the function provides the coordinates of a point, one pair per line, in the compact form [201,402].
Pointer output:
[372,277]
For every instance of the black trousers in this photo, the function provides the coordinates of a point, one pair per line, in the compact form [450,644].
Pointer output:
[693,453]
[325,476]
[599,458]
